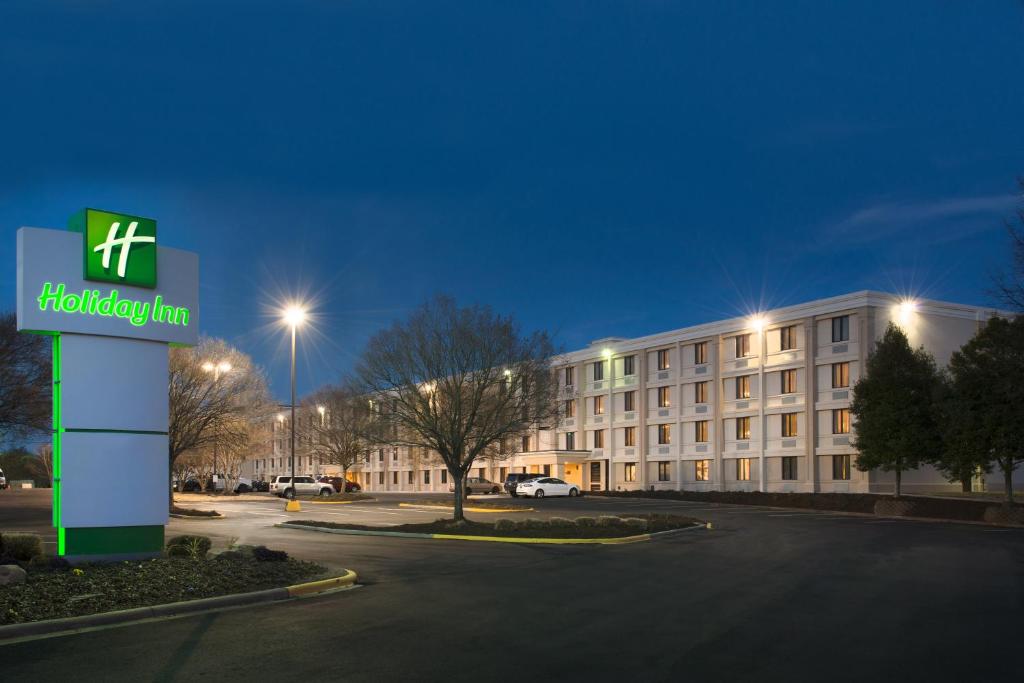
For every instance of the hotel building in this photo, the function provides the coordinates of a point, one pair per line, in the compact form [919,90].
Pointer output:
[750,403]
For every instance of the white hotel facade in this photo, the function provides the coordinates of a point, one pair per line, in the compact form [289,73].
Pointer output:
[753,403]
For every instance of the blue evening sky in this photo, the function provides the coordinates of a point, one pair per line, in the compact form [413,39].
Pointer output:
[593,168]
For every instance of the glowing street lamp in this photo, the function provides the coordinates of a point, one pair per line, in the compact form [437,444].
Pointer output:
[293,316]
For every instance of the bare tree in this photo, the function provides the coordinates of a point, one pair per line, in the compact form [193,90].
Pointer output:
[208,409]
[1009,286]
[342,426]
[459,381]
[25,381]
[42,464]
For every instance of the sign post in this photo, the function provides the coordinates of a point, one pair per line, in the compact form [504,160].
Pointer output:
[94,290]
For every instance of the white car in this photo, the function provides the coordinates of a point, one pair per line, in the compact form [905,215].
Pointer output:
[3,481]
[546,486]
[282,486]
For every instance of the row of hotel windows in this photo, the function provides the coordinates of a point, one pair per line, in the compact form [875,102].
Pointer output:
[702,469]
[787,342]
[701,430]
[840,380]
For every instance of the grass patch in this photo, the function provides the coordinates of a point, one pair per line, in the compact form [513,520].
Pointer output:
[89,589]
[469,503]
[189,512]
[603,527]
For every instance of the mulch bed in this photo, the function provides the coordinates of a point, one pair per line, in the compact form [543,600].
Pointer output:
[89,589]
[190,512]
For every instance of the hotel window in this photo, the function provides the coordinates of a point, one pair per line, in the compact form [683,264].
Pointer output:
[570,408]
[380,455]
[444,476]
[788,424]
[380,478]
[700,353]
[700,392]
[547,470]
[502,473]
[788,381]
[841,467]
[525,444]
[700,431]
[412,475]
[664,397]
[629,436]
[394,478]
[840,375]
[743,428]
[743,386]
[394,454]
[743,469]
[628,365]
[663,363]
[629,401]
[426,477]
[701,470]
[570,441]
[742,345]
[599,405]
[841,421]
[629,472]
[598,438]
[789,467]
[664,471]
[570,376]
[787,338]
[664,434]
[598,370]
[841,329]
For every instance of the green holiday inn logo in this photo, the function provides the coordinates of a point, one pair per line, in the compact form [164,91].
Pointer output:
[118,247]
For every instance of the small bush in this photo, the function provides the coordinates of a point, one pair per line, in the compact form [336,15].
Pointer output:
[635,523]
[609,520]
[22,547]
[195,547]
[506,525]
[586,521]
[560,521]
[534,524]
[264,554]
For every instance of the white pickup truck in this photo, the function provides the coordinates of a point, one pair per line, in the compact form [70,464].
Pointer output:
[3,481]
[282,486]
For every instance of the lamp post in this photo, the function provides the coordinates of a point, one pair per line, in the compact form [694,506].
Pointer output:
[293,317]
[319,437]
[216,369]
[762,353]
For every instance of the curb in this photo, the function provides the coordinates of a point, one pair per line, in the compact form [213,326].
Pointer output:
[467,509]
[177,516]
[69,625]
[621,540]
[333,502]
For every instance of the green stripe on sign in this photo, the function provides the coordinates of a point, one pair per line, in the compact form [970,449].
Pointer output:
[113,540]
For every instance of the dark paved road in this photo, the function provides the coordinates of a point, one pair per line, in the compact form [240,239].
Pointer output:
[766,595]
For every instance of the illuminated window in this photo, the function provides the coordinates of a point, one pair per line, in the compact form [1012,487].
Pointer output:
[787,338]
[700,431]
[664,434]
[788,381]
[664,471]
[598,370]
[629,401]
[570,408]
[664,397]
[570,441]
[663,360]
[841,421]
[570,376]
[742,345]
[789,424]
[701,470]
[840,375]
[743,428]
[743,386]
[841,328]
[841,467]
[629,472]
[629,436]
[598,438]
[628,364]
[700,392]
[599,405]
[742,469]
[700,353]
[789,467]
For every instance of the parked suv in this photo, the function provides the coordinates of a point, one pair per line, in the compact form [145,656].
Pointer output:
[282,486]
[3,481]
[515,478]
[477,485]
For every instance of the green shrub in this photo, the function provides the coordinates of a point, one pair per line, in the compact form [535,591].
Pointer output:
[506,525]
[264,554]
[586,521]
[195,547]
[560,521]
[635,523]
[609,520]
[534,524]
[22,547]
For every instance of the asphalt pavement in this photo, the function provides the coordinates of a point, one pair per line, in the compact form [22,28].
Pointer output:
[766,594]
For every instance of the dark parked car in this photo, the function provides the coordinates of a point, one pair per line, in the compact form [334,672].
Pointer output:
[338,483]
[190,486]
[515,478]
[260,486]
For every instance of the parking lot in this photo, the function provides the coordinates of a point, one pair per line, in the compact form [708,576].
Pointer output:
[766,593]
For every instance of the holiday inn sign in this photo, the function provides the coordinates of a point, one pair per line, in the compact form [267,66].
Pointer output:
[112,300]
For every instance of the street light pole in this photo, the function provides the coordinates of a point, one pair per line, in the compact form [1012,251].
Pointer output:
[216,369]
[293,316]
